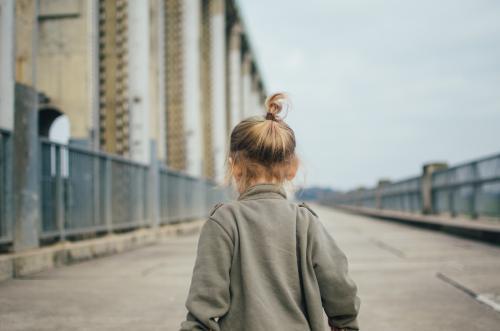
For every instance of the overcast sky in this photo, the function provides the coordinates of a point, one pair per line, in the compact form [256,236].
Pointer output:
[381,87]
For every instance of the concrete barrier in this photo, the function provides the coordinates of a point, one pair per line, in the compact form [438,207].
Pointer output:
[29,262]
[479,229]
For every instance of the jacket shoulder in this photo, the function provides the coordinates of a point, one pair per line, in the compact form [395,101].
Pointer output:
[306,206]
[214,208]
[224,215]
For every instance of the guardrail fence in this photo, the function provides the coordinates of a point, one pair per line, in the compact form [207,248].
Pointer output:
[467,190]
[5,187]
[84,192]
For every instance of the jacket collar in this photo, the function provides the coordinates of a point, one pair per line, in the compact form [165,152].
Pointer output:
[263,191]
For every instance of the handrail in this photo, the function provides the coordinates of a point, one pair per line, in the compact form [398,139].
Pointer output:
[82,193]
[444,195]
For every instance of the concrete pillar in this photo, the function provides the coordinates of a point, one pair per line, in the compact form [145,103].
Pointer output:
[218,77]
[192,83]
[254,102]
[426,185]
[93,65]
[378,192]
[138,79]
[26,36]
[157,77]
[176,147]
[235,80]
[246,85]
[162,95]
[7,65]
[262,100]
[26,181]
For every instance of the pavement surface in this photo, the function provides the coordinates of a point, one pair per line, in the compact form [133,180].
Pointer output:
[408,278]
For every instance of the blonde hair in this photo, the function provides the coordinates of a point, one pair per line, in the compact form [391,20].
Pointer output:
[263,146]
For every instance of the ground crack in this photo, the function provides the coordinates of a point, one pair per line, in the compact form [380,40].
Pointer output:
[150,270]
[395,251]
[491,300]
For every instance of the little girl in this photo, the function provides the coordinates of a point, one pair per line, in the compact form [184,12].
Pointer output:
[265,263]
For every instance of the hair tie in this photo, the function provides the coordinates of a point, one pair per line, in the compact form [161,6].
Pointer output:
[271,116]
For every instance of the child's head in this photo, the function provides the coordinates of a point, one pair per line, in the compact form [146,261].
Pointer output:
[262,148]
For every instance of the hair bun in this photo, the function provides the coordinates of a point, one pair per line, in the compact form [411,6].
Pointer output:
[274,105]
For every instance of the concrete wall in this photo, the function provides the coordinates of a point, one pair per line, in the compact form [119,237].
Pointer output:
[65,62]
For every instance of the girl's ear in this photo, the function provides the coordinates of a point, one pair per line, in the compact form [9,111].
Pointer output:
[292,169]
[235,169]
[237,173]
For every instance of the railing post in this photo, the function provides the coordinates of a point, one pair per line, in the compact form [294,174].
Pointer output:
[426,188]
[451,202]
[5,185]
[475,189]
[108,203]
[97,197]
[59,194]
[154,187]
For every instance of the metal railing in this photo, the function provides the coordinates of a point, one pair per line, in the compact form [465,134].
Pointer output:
[5,187]
[471,190]
[185,197]
[85,192]
[403,195]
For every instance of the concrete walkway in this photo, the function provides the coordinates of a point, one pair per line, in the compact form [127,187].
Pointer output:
[409,279]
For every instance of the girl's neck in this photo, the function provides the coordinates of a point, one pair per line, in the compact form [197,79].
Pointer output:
[257,181]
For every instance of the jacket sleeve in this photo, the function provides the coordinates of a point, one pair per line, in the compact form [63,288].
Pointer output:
[338,290]
[209,296]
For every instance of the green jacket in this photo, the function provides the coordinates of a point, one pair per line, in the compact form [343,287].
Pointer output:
[267,264]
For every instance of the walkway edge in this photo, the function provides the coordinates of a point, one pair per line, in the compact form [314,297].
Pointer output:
[30,262]
[483,230]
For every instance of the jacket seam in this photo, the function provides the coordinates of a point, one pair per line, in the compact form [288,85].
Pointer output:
[308,208]
[223,229]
